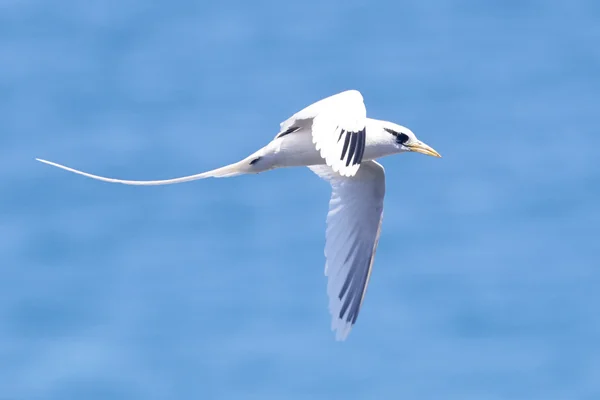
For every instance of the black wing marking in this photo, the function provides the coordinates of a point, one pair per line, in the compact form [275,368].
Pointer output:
[291,129]
[354,146]
[351,292]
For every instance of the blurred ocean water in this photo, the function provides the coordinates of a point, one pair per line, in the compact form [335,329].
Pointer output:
[486,278]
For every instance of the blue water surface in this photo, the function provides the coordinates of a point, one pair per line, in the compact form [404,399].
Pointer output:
[486,281]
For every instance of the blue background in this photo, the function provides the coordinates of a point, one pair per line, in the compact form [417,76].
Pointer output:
[486,282]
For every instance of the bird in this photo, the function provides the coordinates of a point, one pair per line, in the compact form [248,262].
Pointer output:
[333,138]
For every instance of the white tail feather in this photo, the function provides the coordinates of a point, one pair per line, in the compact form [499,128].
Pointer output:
[223,172]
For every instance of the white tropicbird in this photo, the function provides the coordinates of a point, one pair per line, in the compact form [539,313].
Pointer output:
[336,140]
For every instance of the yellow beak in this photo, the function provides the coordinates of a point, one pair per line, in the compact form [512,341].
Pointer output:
[422,148]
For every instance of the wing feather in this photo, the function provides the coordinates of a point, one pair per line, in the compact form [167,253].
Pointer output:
[353,229]
[337,125]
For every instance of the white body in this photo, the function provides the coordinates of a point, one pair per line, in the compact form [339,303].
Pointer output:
[336,140]
[298,150]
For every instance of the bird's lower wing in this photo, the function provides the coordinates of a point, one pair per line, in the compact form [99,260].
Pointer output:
[337,125]
[353,228]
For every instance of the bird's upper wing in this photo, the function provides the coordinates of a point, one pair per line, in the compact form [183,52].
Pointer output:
[353,228]
[337,124]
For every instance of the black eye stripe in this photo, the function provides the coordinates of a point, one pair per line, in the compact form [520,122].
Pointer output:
[400,137]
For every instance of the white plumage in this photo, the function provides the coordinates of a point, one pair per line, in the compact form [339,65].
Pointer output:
[353,228]
[338,125]
[336,140]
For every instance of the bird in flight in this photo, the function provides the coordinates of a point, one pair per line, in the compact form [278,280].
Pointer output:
[335,139]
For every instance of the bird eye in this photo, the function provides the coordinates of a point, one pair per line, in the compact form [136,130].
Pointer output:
[400,137]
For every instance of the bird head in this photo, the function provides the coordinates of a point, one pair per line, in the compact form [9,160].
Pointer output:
[406,140]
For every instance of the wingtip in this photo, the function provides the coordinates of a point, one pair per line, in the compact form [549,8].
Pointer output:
[341,329]
[341,334]
[354,92]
